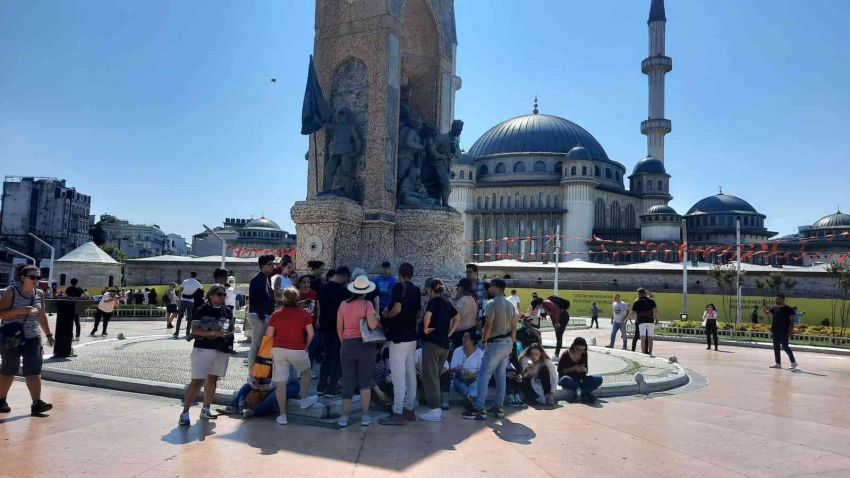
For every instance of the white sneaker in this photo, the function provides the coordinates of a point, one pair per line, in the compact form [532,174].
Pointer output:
[281,419]
[314,375]
[365,420]
[343,421]
[184,419]
[309,401]
[432,415]
[207,414]
[793,366]
[776,365]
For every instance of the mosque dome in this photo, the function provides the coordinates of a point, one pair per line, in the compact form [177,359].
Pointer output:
[722,203]
[661,209]
[536,133]
[649,165]
[578,153]
[839,220]
[262,223]
[465,158]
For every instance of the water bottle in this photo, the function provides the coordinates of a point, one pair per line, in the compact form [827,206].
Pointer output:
[241,404]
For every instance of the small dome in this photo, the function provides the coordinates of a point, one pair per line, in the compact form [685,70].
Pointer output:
[722,203]
[262,223]
[535,133]
[661,209]
[578,153]
[649,165]
[465,158]
[839,220]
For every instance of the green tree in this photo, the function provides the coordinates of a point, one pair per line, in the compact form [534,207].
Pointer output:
[114,252]
[840,274]
[724,277]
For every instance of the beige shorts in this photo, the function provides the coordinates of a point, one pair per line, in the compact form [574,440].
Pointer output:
[647,330]
[282,358]
[208,362]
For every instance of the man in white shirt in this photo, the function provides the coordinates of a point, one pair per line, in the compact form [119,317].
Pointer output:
[104,311]
[514,299]
[230,299]
[620,311]
[187,303]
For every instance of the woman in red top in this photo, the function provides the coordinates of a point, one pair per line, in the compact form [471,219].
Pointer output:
[309,299]
[287,326]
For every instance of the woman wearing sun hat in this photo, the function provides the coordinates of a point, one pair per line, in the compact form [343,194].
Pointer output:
[356,357]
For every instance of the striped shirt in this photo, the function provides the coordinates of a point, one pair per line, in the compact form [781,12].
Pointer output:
[30,322]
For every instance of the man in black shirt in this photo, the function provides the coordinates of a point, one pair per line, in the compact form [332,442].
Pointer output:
[782,329]
[331,294]
[260,305]
[647,317]
[75,292]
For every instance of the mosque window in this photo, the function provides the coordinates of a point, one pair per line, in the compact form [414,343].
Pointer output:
[540,167]
[522,230]
[608,173]
[557,201]
[596,171]
[617,175]
[548,201]
[501,202]
[516,200]
[470,176]
[479,202]
[525,202]
[462,174]
[729,221]
[712,221]
[486,203]
[660,185]
[519,167]
[494,200]
[630,217]
[452,174]
[599,216]
[511,233]
[616,216]
[532,202]
[559,168]
[482,170]
[584,170]
[500,168]
[488,244]
[640,185]
[649,185]
[573,171]
[510,202]
[539,199]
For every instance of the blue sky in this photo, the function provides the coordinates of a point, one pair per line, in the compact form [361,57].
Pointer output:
[164,113]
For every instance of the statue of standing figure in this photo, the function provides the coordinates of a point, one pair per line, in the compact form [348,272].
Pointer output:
[443,150]
[409,146]
[346,147]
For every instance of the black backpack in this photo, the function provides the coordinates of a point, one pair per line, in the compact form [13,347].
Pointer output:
[564,304]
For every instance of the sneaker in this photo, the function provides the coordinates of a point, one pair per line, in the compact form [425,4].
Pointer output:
[511,399]
[776,365]
[445,404]
[281,419]
[708,348]
[343,421]
[309,401]
[4,407]
[169,326]
[175,336]
[409,415]
[76,339]
[715,349]
[104,334]
[92,335]
[793,366]
[184,419]
[625,348]
[474,415]
[314,375]
[39,407]
[228,410]
[247,413]
[496,412]
[365,420]
[392,419]
[432,415]
[207,414]
[609,346]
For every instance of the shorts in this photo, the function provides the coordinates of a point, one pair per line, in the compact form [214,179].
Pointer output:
[647,330]
[208,362]
[282,358]
[171,308]
[32,353]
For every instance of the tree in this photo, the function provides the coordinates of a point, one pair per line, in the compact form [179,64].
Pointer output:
[780,284]
[724,277]
[114,252]
[840,273]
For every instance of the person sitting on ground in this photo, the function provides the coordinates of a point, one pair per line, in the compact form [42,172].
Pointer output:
[526,335]
[513,381]
[381,385]
[572,370]
[466,360]
[258,396]
[288,326]
[539,375]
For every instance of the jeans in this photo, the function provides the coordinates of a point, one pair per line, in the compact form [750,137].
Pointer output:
[559,336]
[462,388]
[258,330]
[781,339]
[495,360]
[618,327]
[331,368]
[186,307]
[711,330]
[269,404]
[586,384]
[433,358]
[403,372]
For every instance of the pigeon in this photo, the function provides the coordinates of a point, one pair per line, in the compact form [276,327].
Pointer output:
[274,80]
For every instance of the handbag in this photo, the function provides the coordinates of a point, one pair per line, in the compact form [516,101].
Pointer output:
[371,336]
[12,334]
[263,362]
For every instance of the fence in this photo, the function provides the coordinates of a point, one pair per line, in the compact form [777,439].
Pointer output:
[128,312]
[748,335]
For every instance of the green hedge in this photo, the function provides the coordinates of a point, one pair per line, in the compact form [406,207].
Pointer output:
[805,329]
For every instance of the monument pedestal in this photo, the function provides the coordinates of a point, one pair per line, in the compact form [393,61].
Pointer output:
[339,231]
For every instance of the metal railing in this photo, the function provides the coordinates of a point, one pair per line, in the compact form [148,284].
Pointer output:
[748,335]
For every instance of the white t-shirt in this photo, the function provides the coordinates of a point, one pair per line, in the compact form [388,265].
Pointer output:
[285,283]
[620,309]
[106,303]
[145,295]
[471,363]
[514,299]
[230,298]
[189,286]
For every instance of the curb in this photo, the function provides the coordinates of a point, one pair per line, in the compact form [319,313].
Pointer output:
[754,345]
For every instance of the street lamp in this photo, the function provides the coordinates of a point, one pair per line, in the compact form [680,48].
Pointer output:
[223,244]
[52,257]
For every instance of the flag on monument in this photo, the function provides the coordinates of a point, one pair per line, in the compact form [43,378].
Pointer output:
[315,111]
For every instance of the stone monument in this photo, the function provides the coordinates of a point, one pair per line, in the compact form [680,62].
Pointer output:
[387,67]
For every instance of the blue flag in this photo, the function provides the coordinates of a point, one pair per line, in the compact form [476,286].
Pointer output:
[315,111]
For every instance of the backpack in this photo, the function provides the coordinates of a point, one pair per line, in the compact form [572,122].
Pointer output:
[564,304]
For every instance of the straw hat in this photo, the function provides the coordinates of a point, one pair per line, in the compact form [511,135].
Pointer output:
[361,285]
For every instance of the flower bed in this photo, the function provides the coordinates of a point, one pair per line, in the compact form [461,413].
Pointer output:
[802,329]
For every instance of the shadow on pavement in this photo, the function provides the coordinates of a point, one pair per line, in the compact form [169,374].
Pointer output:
[198,431]
[513,432]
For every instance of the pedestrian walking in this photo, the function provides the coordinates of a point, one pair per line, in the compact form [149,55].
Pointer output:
[709,321]
[782,330]
[619,312]
[186,307]
[594,315]
[107,304]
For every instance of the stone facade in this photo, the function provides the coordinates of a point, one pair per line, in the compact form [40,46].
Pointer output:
[431,240]
[148,272]
[91,276]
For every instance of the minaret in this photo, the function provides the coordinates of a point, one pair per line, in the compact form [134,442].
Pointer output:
[656,66]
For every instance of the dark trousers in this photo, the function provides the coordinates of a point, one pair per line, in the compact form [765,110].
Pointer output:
[781,339]
[636,337]
[77,324]
[594,320]
[433,358]
[330,371]
[559,336]
[711,331]
[106,316]
[545,381]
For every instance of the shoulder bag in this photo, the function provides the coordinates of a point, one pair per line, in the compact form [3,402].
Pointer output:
[371,336]
[12,334]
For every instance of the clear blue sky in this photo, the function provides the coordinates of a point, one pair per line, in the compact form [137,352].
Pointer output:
[164,113]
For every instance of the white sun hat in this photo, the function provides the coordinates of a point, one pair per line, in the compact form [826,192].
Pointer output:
[361,285]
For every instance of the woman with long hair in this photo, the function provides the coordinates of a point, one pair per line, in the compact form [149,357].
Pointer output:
[709,321]
[210,327]
[440,321]
[356,357]
[540,376]
[572,370]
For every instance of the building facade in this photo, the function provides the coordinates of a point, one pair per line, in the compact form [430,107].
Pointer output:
[176,245]
[259,233]
[48,208]
[135,240]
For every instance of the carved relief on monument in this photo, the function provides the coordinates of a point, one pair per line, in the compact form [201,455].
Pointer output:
[345,169]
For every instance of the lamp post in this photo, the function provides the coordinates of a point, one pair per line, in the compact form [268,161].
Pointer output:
[685,270]
[738,270]
[14,279]
[52,258]
[223,244]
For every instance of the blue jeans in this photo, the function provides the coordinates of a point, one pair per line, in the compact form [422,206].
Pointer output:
[495,360]
[618,327]
[462,388]
[587,384]
[269,405]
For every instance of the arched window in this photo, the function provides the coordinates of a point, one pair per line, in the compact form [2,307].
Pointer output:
[534,239]
[501,202]
[519,167]
[540,167]
[510,202]
[615,215]
[462,174]
[540,200]
[617,175]
[630,217]
[599,215]
[584,170]
[494,200]
[522,236]
[533,202]
[649,185]
[596,171]
[470,176]
[452,175]
[608,173]
[660,185]
[573,171]
[476,237]
[525,202]
[486,203]
[511,232]
[488,244]
[559,168]
[557,201]
[548,201]
[500,168]
[640,185]
[482,170]
[500,236]
[61,279]
[479,202]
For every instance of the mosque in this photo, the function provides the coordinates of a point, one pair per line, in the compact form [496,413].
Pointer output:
[531,176]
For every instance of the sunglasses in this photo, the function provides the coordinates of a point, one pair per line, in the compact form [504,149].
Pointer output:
[33,277]
[220,294]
